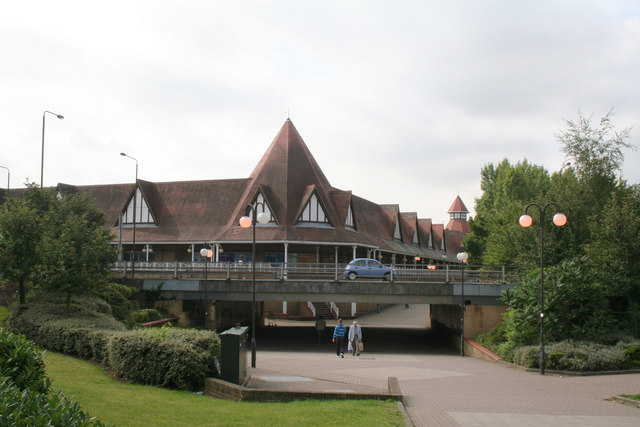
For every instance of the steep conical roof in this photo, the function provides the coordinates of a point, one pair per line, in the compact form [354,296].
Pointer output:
[458,206]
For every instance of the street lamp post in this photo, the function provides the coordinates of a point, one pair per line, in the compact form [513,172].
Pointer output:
[462,257]
[246,222]
[8,176]
[135,213]
[559,219]
[206,253]
[59,116]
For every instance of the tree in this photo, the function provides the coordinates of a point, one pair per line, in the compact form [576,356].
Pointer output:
[58,244]
[20,232]
[75,248]
[496,238]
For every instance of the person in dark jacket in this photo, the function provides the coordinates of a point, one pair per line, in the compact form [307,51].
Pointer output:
[338,337]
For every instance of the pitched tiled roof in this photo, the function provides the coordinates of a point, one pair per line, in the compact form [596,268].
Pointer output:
[458,206]
[286,176]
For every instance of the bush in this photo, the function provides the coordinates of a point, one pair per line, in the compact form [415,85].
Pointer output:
[118,296]
[26,408]
[168,357]
[578,357]
[632,355]
[147,315]
[21,362]
[25,399]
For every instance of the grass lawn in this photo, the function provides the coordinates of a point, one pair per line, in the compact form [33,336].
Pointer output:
[136,405]
[634,397]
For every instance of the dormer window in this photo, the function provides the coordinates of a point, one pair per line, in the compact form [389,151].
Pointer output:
[143,213]
[396,233]
[313,212]
[260,205]
[349,223]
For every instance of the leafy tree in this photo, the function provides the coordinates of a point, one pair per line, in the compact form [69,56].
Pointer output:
[20,233]
[575,307]
[59,244]
[76,249]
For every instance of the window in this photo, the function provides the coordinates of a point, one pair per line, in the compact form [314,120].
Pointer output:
[143,214]
[349,222]
[313,212]
[259,206]
[396,233]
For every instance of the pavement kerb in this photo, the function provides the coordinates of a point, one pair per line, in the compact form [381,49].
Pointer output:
[626,401]
[568,373]
[220,389]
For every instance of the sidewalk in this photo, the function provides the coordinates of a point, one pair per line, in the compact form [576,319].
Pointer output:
[449,390]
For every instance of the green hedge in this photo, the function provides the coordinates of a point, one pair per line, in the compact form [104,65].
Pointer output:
[25,397]
[168,357]
[581,357]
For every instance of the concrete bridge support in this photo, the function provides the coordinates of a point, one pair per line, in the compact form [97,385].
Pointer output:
[478,319]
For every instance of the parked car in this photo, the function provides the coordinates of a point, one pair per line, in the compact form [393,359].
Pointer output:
[367,268]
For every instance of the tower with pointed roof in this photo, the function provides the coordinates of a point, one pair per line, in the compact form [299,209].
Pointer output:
[458,217]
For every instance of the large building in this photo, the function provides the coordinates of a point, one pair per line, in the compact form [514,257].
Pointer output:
[310,221]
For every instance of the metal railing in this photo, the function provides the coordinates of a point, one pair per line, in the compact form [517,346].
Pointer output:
[310,271]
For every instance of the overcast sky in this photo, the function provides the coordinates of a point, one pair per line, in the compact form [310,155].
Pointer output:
[399,101]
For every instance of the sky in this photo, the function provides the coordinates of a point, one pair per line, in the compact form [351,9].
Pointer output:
[401,102]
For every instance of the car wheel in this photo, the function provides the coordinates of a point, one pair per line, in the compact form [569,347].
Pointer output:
[387,276]
[352,276]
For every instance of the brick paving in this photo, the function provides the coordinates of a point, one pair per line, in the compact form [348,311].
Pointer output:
[449,390]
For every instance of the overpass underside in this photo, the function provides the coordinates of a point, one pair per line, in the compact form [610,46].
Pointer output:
[381,292]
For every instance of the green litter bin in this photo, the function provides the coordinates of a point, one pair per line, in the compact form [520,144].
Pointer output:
[234,363]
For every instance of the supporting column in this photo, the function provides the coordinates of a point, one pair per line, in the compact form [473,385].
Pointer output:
[353,308]
[193,252]
[354,252]
[335,261]
[317,254]
[146,249]
[284,307]
[286,260]
[217,253]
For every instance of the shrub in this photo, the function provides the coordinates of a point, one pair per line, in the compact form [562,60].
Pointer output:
[26,408]
[118,296]
[147,315]
[578,356]
[632,355]
[21,362]
[168,357]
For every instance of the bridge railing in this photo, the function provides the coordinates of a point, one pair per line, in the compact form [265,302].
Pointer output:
[309,271]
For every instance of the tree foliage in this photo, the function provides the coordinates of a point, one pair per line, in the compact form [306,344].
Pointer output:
[58,244]
[592,279]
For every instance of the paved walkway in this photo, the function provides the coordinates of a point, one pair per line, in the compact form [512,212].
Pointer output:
[449,390]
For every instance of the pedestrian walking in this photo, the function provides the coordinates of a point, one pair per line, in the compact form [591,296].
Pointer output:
[339,333]
[321,324]
[355,338]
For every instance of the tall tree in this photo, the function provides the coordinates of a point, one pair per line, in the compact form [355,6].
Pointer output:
[20,232]
[76,248]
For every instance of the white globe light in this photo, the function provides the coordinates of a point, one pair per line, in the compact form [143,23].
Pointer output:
[525,221]
[245,222]
[204,252]
[559,219]
[263,217]
[462,256]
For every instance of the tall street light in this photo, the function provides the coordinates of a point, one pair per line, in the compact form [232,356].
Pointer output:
[462,257]
[59,116]
[207,254]
[8,176]
[559,219]
[246,222]
[135,213]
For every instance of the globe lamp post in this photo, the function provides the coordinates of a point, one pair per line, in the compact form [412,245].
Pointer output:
[249,220]
[559,220]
